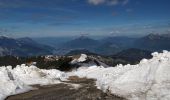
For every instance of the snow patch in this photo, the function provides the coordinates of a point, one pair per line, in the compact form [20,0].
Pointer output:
[82,58]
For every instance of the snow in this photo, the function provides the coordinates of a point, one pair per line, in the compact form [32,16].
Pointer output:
[19,79]
[8,85]
[148,80]
[33,75]
[82,58]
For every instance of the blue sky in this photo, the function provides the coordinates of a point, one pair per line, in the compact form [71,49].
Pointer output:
[40,18]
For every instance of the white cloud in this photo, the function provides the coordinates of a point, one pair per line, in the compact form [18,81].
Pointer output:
[96,2]
[108,2]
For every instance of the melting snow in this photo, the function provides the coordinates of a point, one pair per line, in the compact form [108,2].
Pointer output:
[17,80]
[148,80]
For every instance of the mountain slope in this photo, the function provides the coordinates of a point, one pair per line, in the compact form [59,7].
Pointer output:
[154,42]
[120,40]
[114,44]
[22,47]
[81,42]
[108,48]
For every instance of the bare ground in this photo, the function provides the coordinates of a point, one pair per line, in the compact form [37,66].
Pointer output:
[75,89]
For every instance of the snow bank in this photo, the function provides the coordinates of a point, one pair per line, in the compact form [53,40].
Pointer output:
[19,79]
[33,75]
[148,80]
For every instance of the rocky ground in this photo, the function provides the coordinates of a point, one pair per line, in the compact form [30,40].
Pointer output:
[74,89]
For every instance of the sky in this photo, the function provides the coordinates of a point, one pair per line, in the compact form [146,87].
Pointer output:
[48,18]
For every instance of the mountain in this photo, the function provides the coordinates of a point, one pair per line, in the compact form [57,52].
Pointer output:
[55,42]
[103,46]
[133,54]
[114,44]
[81,42]
[22,47]
[107,45]
[122,41]
[154,42]
[64,45]
[107,48]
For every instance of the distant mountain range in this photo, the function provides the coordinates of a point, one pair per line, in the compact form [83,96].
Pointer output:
[53,41]
[122,41]
[154,42]
[104,46]
[114,45]
[61,46]
[81,42]
[23,47]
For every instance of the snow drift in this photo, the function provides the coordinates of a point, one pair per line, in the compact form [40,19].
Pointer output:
[148,80]
[19,79]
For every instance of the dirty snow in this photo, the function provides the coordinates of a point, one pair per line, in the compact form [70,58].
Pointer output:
[19,79]
[148,80]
